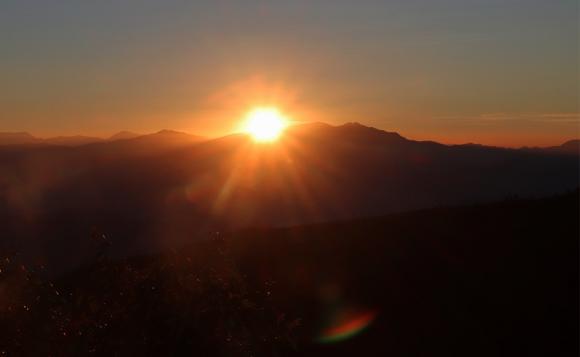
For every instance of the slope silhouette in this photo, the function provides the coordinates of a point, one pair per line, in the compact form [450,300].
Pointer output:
[478,280]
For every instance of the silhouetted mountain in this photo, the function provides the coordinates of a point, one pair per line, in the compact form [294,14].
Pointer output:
[349,132]
[122,135]
[144,145]
[157,191]
[20,138]
[23,138]
[75,140]
[569,147]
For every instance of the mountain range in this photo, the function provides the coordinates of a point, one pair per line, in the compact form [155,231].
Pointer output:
[158,191]
[24,138]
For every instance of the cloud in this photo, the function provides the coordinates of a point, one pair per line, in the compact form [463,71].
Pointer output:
[490,118]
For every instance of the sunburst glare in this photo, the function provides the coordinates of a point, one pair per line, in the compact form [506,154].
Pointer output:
[265,124]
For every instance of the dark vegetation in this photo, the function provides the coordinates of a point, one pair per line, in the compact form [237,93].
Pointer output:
[483,280]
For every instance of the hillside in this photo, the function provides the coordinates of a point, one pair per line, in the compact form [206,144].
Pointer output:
[479,280]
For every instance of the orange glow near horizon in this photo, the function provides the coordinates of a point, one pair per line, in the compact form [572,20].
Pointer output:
[265,124]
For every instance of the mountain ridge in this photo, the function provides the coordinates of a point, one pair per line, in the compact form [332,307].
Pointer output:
[25,138]
[122,135]
[353,129]
[168,186]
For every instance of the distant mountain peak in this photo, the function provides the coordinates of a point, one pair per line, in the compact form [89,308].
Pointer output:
[170,132]
[348,132]
[571,146]
[17,138]
[363,130]
[573,142]
[355,124]
[17,133]
[123,135]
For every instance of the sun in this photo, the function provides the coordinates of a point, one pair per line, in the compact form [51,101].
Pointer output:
[265,124]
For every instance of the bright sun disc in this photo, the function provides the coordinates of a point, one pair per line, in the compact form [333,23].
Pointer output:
[265,124]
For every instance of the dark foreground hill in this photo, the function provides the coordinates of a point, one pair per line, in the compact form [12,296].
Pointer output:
[490,280]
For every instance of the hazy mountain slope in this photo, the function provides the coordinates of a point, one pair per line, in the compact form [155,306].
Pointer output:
[75,140]
[27,139]
[122,135]
[571,147]
[17,139]
[321,172]
[159,190]
[20,139]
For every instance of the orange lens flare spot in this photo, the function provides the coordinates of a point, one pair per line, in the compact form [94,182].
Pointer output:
[347,326]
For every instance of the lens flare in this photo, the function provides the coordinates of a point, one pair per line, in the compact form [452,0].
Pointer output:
[346,326]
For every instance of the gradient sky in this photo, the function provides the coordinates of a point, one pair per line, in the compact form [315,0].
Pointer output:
[501,72]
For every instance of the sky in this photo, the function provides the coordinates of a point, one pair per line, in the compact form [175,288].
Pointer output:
[498,72]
